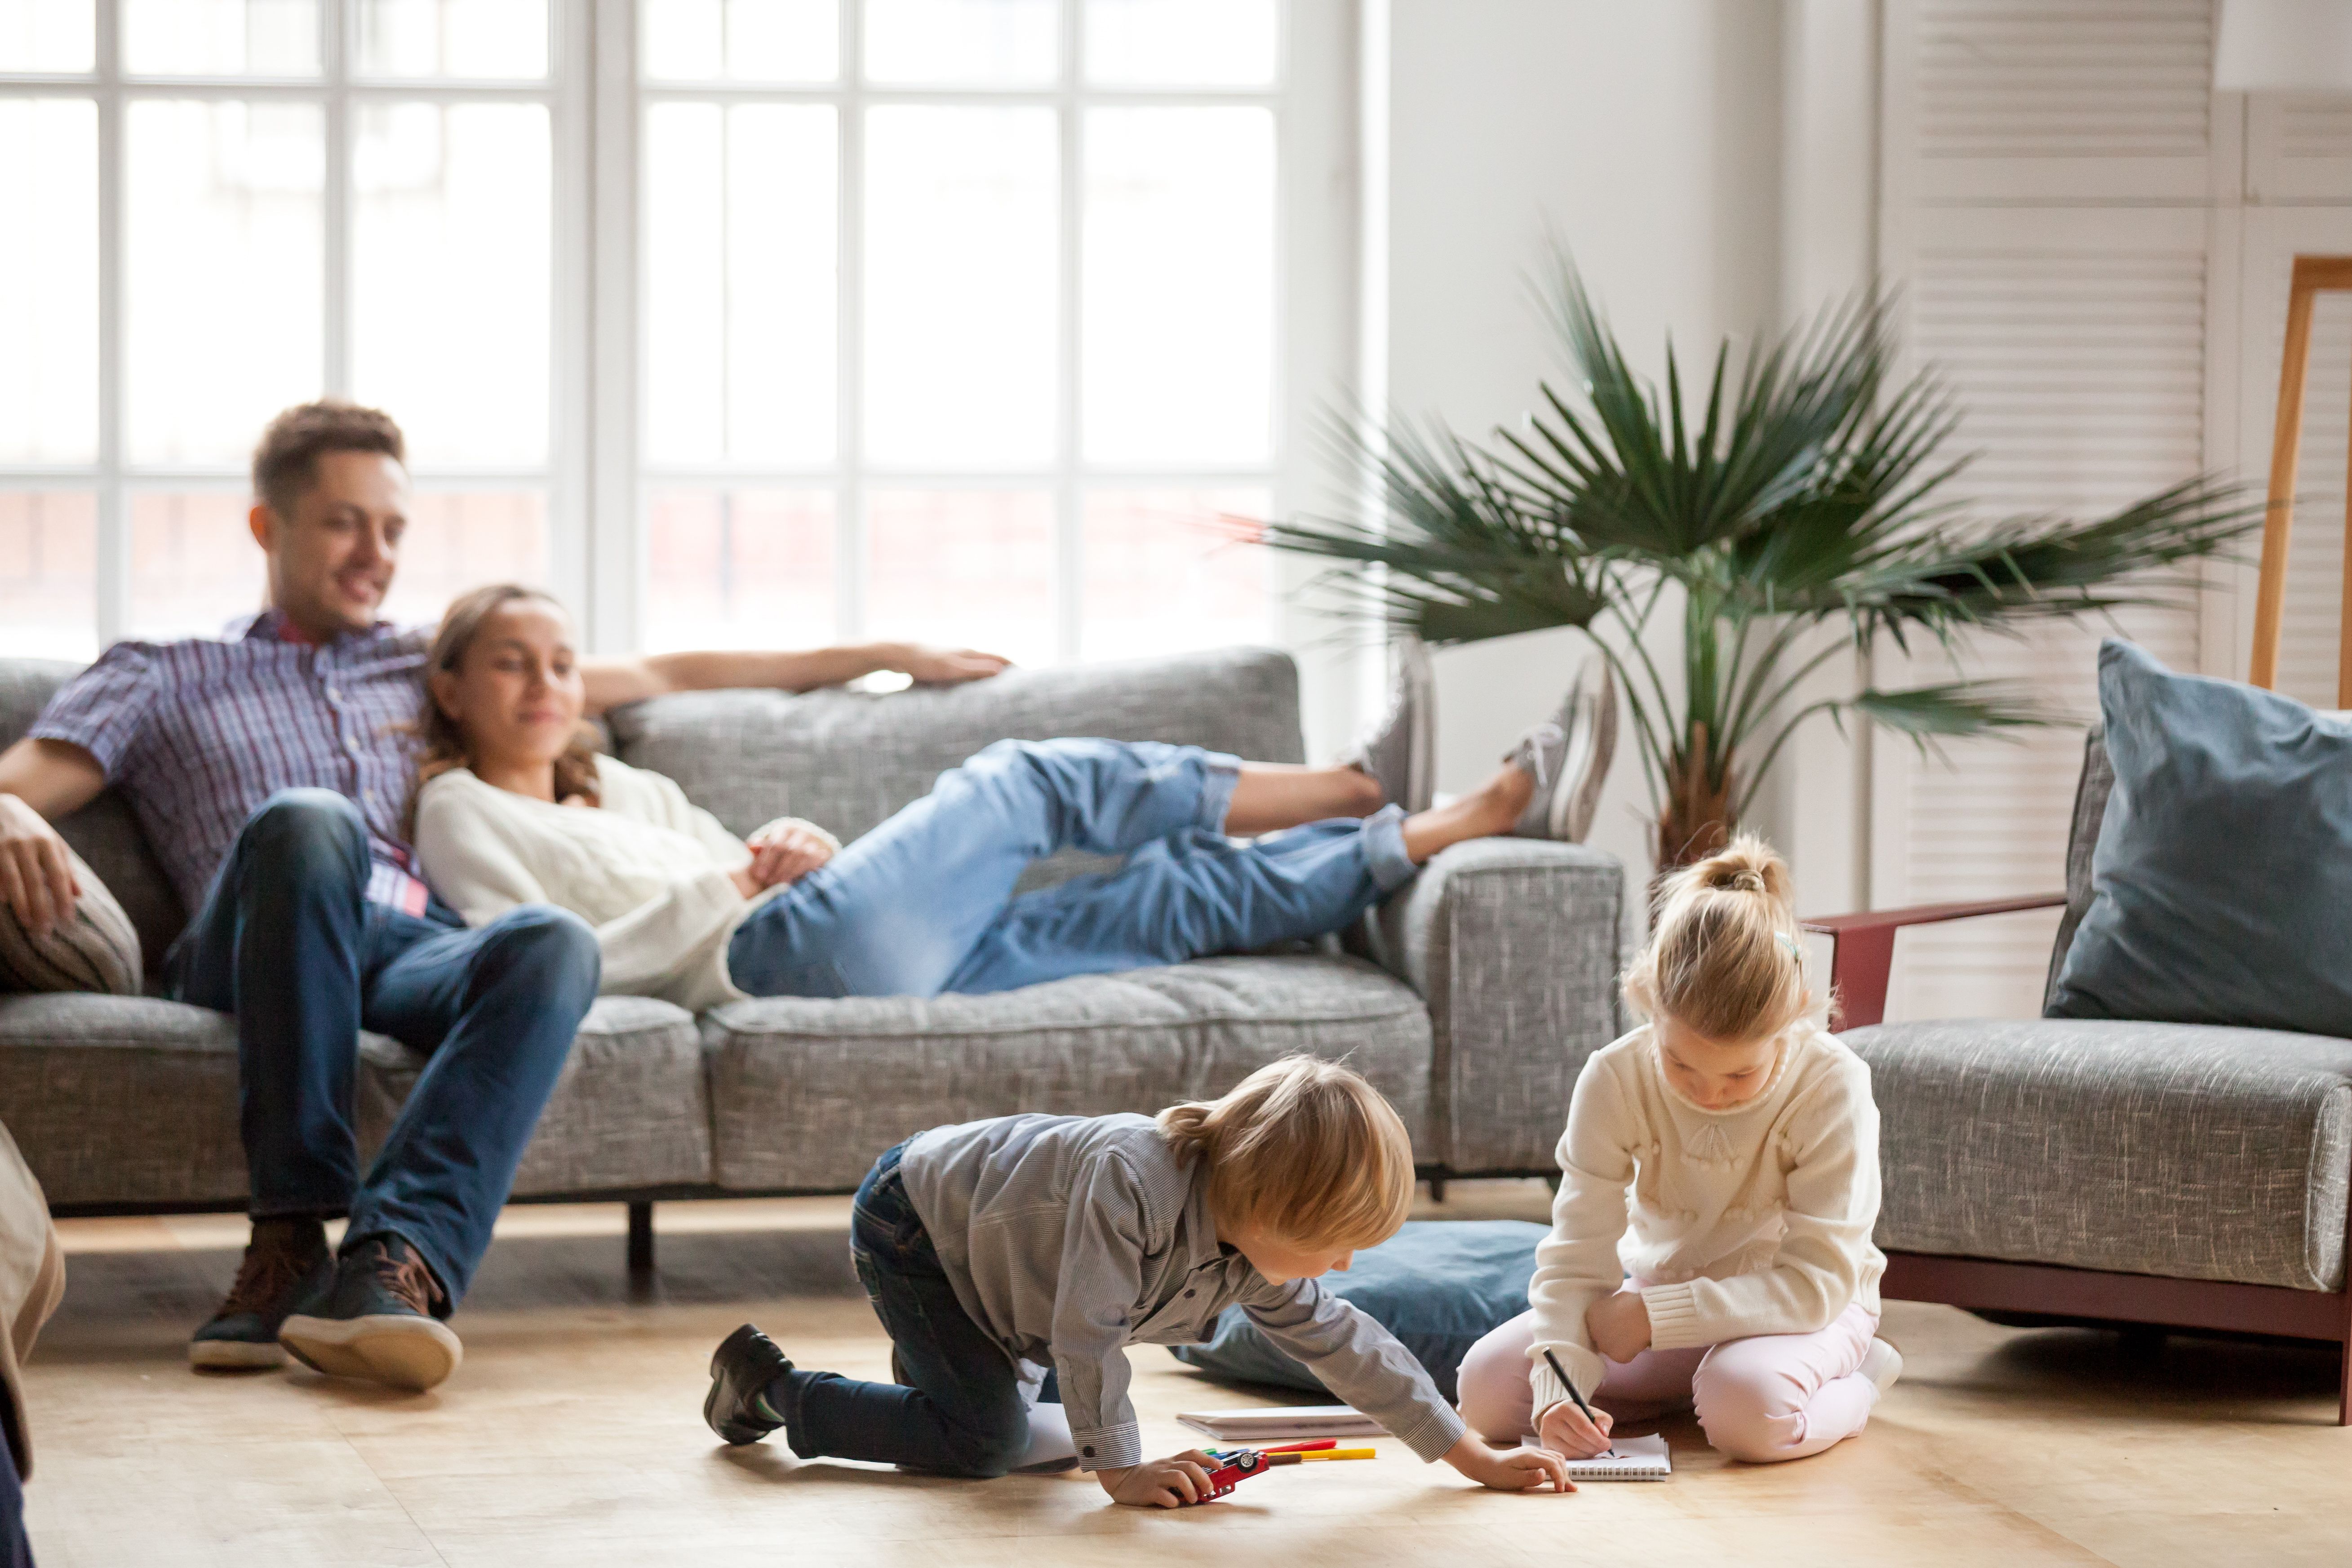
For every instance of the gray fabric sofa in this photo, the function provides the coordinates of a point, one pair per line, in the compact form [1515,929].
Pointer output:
[2170,1174]
[1472,999]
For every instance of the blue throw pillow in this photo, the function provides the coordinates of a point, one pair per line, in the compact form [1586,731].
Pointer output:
[1437,1285]
[2222,878]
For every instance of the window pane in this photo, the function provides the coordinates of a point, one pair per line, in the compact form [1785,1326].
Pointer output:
[450,277]
[739,283]
[1179,311]
[458,540]
[220,37]
[742,40]
[223,273]
[739,569]
[193,565]
[47,35]
[502,39]
[1171,570]
[48,290]
[970,567]
[997,42]
[1183,42]
[49,574]
[961,216]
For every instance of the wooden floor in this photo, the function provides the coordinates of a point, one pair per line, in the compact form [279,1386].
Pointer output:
[573,1436]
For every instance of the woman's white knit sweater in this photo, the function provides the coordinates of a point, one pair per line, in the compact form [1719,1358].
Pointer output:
[649,868]
[1755,1220]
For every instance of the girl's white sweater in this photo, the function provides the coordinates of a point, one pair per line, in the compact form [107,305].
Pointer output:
[1751,1220]
[649,868]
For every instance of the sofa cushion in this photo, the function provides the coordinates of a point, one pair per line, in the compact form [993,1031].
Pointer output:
[93,947]
[122,1098]
[2224,860]
[2092,788]
[2190,1150]
[105,832]
[631,1110]
[847,760]
[807,1091]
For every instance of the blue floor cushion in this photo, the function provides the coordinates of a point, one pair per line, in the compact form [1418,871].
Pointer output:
[1437,1285]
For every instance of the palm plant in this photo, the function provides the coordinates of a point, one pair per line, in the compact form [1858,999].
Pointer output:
[1811,492]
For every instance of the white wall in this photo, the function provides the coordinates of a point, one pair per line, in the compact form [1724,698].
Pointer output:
[1648,137]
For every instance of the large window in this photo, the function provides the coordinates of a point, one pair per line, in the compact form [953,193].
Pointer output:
[738,321]
[959,319]
[226,207]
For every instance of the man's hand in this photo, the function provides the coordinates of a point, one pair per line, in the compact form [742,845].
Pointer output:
[943,666]
[783,854]
[1619,1325]
[36,876]
[1508,1470]
[1564,1430]
[1160,1483]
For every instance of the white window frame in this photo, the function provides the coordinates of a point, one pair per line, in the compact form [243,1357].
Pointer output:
[1312,104]
[114,479]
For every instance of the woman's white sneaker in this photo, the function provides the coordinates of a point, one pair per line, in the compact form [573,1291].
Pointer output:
[1400,750]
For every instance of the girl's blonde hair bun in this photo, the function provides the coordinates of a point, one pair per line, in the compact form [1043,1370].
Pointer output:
[1725,960]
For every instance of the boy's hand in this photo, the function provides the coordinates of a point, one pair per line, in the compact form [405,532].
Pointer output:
[1508,1470]
[1619,1325]
[1564,1430]
[1160,1483]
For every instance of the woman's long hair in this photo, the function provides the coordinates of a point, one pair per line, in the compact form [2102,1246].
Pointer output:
[441,746]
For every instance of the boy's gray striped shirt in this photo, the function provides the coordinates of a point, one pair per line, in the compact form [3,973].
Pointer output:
[1069,1238]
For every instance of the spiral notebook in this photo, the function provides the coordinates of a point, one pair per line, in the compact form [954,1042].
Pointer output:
[1628,1459]
[1282,1424]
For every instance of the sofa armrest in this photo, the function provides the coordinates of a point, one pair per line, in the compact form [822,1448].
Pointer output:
[1513,944]
[1862,952]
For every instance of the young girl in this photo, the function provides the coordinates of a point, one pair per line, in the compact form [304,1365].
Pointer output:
[1740,1140]
[996,1249]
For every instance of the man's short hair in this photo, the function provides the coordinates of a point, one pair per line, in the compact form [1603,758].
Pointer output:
[286,462]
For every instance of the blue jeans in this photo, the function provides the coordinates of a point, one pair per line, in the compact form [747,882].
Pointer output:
[924,903]
[959,1409]
[287,942]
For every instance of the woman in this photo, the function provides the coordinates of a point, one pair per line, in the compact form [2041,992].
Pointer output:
[512,807]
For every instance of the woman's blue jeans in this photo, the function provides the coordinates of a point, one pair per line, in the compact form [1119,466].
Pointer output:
[924,903]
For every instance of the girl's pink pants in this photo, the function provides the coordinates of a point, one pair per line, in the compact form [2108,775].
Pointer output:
[1775,1396]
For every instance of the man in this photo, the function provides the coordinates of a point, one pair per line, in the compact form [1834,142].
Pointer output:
[269,770]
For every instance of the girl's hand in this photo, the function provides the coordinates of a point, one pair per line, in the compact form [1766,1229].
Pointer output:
[1564,1430]
[1619,1325]
[786,854]
[1508,1470]
[1160,1483]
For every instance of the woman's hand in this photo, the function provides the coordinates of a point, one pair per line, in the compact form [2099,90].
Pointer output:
[1619,1325]
[782,855]
[1508,1470]
[1564,1430]
[1160,1483]
[942,665]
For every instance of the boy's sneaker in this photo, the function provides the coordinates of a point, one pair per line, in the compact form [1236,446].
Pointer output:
[745,1363]
[1400,750]
[1882,1364]
[286,1260]
[1568,755]
[376,1321]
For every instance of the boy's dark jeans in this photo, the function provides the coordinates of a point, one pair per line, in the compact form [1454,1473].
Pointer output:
[959,1409]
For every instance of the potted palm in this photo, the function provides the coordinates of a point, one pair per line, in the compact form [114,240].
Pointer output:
[1806,491]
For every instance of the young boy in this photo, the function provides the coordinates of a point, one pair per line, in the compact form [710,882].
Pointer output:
[996,1249]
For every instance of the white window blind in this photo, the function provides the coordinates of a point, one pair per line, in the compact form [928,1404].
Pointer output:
[2048,175]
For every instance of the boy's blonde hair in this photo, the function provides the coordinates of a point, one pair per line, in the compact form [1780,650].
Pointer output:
[1725,960]
[1305,1148]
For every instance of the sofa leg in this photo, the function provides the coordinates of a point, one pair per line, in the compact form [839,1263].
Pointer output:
[1437,1189]
[2343,1400]
[641,1240]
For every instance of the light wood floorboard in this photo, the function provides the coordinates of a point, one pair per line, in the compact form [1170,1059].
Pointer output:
[573,1436]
